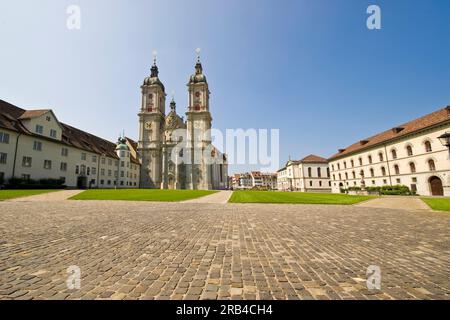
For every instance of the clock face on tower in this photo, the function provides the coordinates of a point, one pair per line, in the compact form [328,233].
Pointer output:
[148,125]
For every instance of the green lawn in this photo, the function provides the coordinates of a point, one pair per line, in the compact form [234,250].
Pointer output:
[141,194]
[294,197]
[11,194]
[440,204]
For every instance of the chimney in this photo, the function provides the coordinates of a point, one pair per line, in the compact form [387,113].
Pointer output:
[341,150]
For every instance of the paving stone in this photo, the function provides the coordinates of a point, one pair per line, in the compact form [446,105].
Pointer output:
[220,251]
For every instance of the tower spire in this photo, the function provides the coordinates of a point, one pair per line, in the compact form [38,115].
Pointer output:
[154,69]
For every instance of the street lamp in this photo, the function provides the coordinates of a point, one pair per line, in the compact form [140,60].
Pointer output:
[445,140]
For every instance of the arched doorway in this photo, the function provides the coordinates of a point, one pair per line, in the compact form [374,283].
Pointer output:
[436,186]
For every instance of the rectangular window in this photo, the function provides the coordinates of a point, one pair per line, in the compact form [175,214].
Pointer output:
[94,158]
[37,145]
[122,174]
[65,152]
[122,164]
[109,173]
[4,137]
[109,162]
[102,182]
[102,172]
[103,160]
[63,166]
[63,179]
[399,181]
[47,164]
[3,157]
[53,133]
[77,170]
[26,177]
[83,156]
[94,170]
[39,129]
[26,162]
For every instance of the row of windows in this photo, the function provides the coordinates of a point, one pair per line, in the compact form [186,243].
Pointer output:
[409,152]
[319,172]
[412,169]
[40,130]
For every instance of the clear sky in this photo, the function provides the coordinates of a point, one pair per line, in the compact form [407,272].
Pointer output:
[310,68]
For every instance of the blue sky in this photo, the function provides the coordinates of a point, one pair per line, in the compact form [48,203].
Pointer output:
[310,68]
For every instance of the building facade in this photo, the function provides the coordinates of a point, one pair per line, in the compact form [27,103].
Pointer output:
[253,180]
[410,154]
[174,153]
[311,174]
[34,144]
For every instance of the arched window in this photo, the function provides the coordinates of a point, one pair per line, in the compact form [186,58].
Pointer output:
[332,167]
[370,159]
[346,176]
[397,169]
[345,164]
[412,167]
[309,172]
[354,174]
[431,165]
[409,151]
[340,176]
[383,171]
[372,172]
[394,154]
[362,173]
[334,177]
[328,172]
[380,155]
[319,172]
[428,146]
[339,166]
[352,163]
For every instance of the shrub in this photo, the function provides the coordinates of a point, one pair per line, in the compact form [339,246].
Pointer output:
[19,183]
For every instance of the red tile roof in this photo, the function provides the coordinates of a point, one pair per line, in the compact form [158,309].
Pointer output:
[29,114]
[438,117]
[313,159]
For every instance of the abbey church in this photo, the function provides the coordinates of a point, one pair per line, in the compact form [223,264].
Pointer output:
[175,153]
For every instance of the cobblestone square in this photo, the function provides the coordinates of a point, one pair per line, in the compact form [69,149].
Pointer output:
[135,250]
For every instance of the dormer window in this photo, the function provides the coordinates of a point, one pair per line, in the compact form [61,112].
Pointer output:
[39,129]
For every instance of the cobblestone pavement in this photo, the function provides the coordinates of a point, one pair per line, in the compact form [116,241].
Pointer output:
[136,250]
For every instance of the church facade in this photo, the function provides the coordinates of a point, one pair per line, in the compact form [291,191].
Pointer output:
[175,153]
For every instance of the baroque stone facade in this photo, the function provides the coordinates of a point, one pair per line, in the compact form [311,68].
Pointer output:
[174,153]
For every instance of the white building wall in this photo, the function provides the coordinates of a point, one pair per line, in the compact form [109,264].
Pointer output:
[420,158]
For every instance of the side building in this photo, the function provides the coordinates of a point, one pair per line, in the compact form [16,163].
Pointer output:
[409,154]
[311,174]
[34,144]
[254,179]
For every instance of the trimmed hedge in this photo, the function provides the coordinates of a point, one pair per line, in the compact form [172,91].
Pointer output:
[397,190]
[19,183]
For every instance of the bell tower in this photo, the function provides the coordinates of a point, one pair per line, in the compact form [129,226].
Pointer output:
[151,128]
[198,172]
